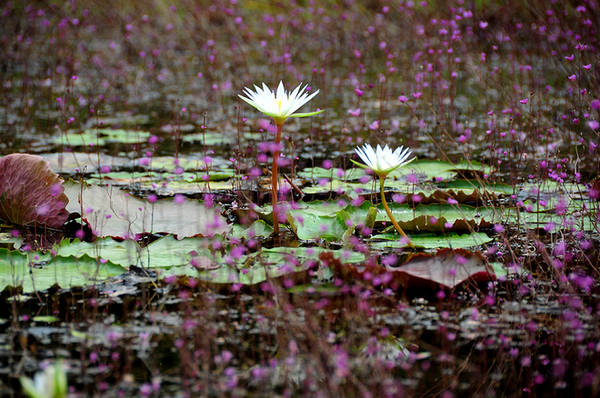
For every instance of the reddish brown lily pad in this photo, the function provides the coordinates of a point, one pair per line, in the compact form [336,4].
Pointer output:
[447,268]
[30,193]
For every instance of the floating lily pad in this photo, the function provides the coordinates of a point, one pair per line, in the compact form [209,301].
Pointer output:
[100,137]
[437,170]
[124,253]
[209,138]
[168,252]
[45,319]
[438,217]
[469,186]
[112,212]
[119,119]
[166,184]
[172,187]
[431,241]
[17,270]
[278,255]
[257,229]
[447,268]
[316,173]
[80,162]
[186,162]
[507,270]
[311,226]
[274,262]
[350,189]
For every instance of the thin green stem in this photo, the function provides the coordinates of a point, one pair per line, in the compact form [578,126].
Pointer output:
[274,181]
[389,213]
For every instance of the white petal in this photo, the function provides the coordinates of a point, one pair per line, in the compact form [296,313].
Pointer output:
[383,160]
[280,91]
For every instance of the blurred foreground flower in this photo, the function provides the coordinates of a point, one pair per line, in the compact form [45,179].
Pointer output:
[50,383]
[383,161]
[279,105]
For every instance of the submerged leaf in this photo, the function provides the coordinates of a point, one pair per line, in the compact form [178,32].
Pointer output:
[30,193]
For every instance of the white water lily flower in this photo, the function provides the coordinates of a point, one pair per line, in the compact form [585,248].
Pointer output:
[279,105]
[51,383]
[383,160]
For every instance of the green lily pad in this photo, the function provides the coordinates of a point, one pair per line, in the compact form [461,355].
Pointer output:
[278,255]
[187,182]
[329,220]
[168,252]
[472,185]
[316,173]
[504,270]
[258,229]
[437,170]
[45,319]
[431,241]
[438,217]
[16,270]
[124,253]
[209,138]
[311,226]
[350,189]
[275,262]
[186,162]
[100,137]
[10,241]
[121,119]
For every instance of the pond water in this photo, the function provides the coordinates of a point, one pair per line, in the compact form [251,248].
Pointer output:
[174,284]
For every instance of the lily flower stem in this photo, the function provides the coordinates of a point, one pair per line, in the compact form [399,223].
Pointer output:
[274,181]
[389,213]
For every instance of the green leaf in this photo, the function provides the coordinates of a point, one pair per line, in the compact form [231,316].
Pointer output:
[321,220]
[16,269]
[258,229]
[275,262]
[431,241]
[308,226]
[125,253]
[210,138]
[45,318]
[434,217]
[306,114]
[316,173]
[101,137]
[469,186]
[169,252]
[29,387]
[340,187]
[504,270]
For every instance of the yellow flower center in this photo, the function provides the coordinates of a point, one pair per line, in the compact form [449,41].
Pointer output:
[279,105]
